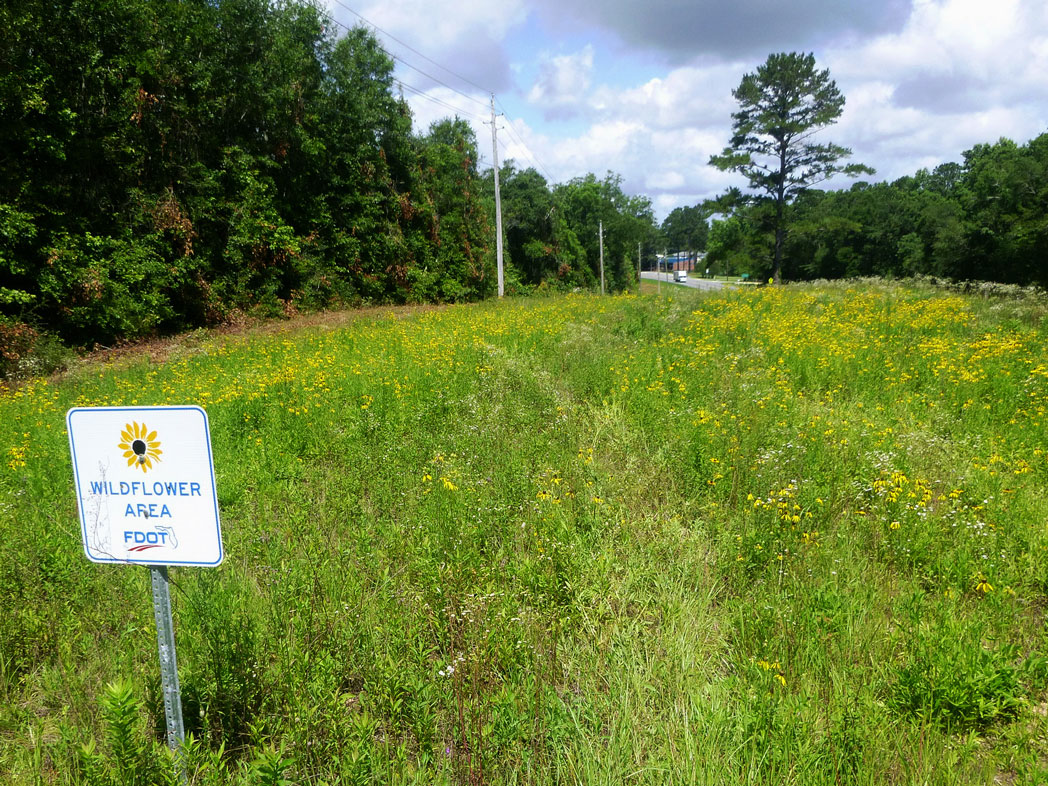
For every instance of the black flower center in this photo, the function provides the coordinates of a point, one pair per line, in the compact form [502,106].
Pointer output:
[139,447]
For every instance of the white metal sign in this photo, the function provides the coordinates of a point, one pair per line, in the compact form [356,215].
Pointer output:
[145,484]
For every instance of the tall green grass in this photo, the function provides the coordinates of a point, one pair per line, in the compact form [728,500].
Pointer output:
[773,536]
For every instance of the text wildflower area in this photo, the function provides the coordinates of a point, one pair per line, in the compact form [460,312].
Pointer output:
[781,535]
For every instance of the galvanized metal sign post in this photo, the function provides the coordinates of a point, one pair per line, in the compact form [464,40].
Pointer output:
[165,639]
[145,484]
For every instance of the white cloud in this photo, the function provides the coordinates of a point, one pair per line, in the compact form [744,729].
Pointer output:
[658,135]
[602,145]
[664,180]
[686,97]
[439,25]
[667,165]
[959,73]
[970,39]
[663,204]
[439,103]
[563,80]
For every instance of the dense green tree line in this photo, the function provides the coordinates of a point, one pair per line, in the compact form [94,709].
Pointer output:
[168,165]
[552,232]
[686,229]
[985,218]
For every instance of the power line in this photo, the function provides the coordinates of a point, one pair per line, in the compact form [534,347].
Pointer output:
[411,88]
[344,26]
[421,94]
[531,156]
[527,153]
[424,57]
[430,76]
[505,150]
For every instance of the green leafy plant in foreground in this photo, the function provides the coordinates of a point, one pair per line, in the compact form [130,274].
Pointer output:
[951,676]
[130,759]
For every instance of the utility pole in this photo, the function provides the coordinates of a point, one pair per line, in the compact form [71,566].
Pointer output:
[638,267]
[600,235]
[498,199]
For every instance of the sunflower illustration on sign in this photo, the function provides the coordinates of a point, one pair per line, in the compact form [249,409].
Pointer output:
[140,445]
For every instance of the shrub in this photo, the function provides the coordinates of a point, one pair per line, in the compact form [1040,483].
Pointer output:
[106,289]
[26,352]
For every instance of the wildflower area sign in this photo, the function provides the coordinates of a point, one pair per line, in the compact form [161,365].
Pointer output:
[145,486]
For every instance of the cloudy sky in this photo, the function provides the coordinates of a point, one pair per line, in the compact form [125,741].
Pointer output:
[644,88]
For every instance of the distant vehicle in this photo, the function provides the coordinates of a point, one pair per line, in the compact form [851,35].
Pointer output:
[680,276]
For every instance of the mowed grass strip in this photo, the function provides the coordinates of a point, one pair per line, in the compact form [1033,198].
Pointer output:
[791,535]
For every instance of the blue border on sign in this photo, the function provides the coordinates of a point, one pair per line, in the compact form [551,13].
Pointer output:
[80,497]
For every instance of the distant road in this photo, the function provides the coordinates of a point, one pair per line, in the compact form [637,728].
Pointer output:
[693,282]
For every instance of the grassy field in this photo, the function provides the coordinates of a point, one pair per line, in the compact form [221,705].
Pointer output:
[782,535]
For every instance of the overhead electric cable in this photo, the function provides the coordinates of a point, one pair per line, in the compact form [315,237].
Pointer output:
[533,158]
[424,57]
[430,76]
[419,92]
[344,26]
[503,148]
[445,104]
[528,154]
